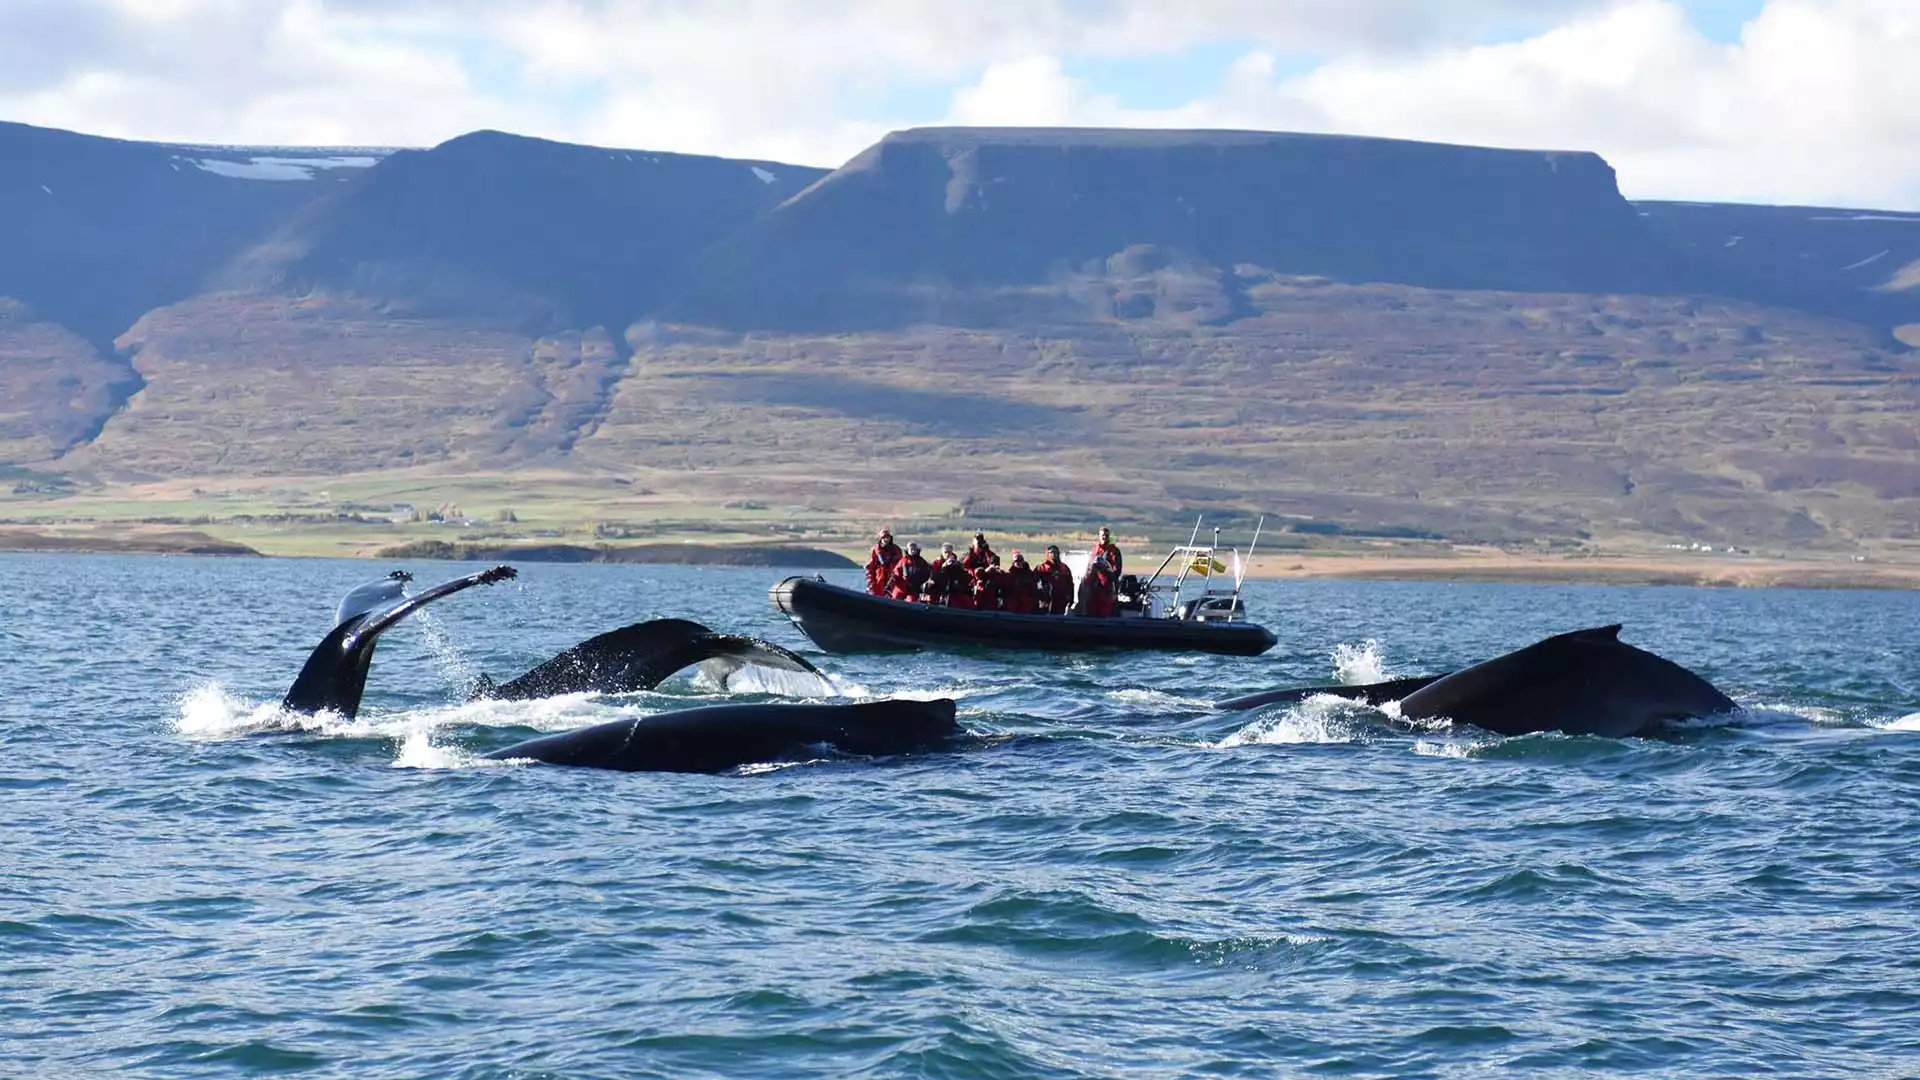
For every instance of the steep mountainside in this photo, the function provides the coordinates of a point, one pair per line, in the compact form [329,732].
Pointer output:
[934,224]
[546,235]
[1852,264]
[1366,333]
[95,232]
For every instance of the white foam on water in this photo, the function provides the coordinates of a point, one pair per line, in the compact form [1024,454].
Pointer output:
[208,712]
[1812,714]
[562,712]
[1159,700]
[1359,664]
[417,751]
[1438,748]
[1909,722]
[1319,719]
[955,692]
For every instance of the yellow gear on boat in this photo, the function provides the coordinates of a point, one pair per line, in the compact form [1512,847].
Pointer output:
[1205,565]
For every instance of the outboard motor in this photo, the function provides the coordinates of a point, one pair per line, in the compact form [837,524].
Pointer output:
[1211,608]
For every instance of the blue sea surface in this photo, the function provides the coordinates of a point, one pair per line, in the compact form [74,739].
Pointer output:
[1104,879]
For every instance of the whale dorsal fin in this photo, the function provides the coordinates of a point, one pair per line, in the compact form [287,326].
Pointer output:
[1593,635]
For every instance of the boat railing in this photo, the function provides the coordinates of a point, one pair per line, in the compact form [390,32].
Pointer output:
[1194,559]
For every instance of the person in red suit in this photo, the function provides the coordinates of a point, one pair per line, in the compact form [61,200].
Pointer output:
[1019,594]
[1111,550]
[1098,592]
[979,556]
[910,574]
[990,586]
[951,584]
[880,562]
[1053,584]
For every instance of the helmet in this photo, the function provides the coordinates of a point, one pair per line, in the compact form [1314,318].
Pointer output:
[1053,549]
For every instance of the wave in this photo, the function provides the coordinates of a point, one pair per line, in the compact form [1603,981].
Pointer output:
[1319,719]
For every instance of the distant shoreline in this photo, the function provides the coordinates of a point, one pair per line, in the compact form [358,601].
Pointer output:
[1464,564]
[1493,565]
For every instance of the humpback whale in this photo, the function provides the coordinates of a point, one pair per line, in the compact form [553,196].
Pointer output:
[1587,682]
[641,657]
[721,737]
[335,674]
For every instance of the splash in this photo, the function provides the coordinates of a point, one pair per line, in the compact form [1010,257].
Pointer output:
[1359,664]
[1909,722]
[447,657]
[208,712]
[1320,719]
[417,751]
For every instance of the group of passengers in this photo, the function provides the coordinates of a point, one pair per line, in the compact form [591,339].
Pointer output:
[977,581]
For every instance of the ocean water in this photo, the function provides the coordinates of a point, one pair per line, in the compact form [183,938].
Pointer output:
[1104,879]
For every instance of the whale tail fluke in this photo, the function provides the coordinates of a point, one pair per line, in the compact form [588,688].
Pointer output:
[641,657]
[335,675]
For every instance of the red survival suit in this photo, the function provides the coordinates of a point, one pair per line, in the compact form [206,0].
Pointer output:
[978,557]
[1019,587]
[951,585]
[1097,592]
[909,577]
[1053,586]
[880,563]
[990,587]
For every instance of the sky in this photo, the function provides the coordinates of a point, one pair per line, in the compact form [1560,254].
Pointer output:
[1785,101]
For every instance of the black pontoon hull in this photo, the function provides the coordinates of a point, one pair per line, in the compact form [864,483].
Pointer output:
[842,620]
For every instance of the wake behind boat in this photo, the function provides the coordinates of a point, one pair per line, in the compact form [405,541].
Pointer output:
[1178,608]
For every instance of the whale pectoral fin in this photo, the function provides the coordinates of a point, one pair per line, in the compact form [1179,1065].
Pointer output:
[1372,693]
[644,655]
[335,674]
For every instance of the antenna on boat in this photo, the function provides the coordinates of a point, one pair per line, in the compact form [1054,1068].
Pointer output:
[1195,538]
[1245,565]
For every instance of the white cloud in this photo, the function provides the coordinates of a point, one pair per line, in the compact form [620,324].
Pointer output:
[1818,102]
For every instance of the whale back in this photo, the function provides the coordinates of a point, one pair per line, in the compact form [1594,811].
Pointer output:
[1372,693]
[641,657]
[721,737]
[1587,682]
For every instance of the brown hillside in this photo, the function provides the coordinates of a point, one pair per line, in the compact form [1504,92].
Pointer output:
[1464,413]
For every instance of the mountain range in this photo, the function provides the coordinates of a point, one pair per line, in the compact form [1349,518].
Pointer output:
[1366,334]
